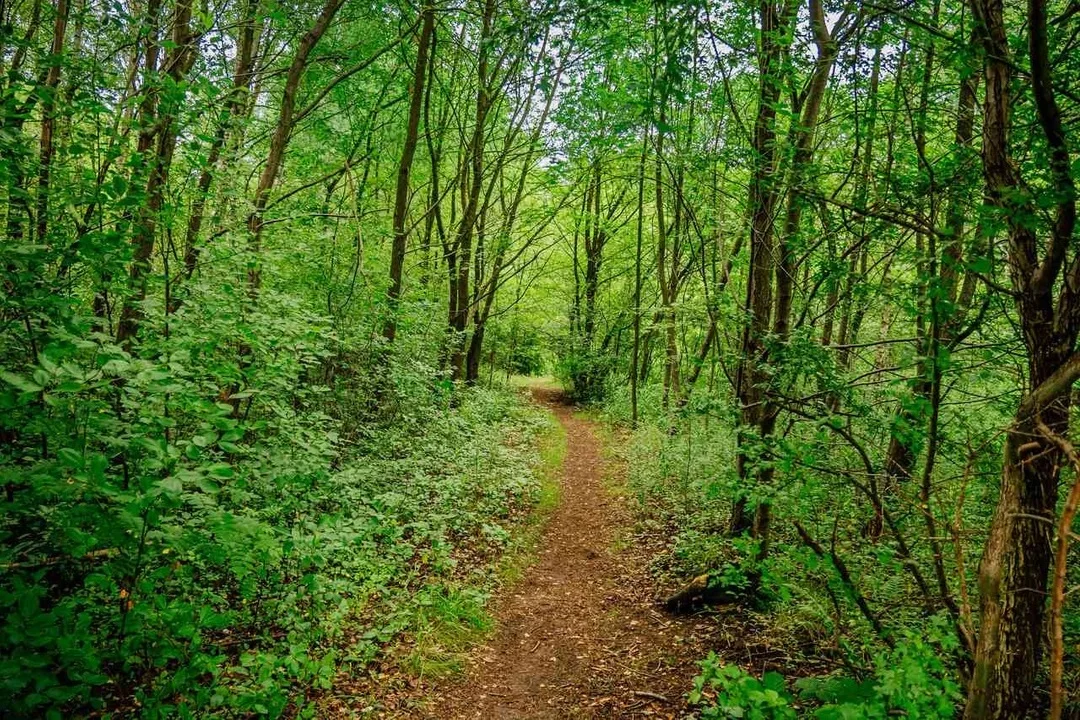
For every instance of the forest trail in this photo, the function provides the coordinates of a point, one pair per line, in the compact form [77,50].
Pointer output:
[580,635]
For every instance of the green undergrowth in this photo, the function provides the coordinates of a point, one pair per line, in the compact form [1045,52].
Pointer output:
[448,622]
[200,560]
[451,621]
[551,445]
[681,476]
[907,681]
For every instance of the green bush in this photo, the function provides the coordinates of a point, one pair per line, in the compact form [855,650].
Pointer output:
[737,694]
[910,680]
[583,372]
[210,523]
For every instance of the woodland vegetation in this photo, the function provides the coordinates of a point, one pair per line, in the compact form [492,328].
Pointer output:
[268,265]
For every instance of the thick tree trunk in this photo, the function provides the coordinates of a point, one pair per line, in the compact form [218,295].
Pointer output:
[1013,571]
[1013,574]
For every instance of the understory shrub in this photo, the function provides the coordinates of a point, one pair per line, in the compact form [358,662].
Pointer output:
[211,523]
[682,470]
[583,371]
[909,680]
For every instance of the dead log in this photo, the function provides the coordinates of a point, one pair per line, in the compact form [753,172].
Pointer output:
[705,589]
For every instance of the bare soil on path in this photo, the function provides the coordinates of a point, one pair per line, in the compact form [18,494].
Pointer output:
[580,636]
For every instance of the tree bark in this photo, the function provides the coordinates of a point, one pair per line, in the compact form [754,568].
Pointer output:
[786,269]
[48,119]
[280,138]
[640,230]
[900,456]
[594,257]
[1013,573]
[13,149]
[236,106]
[401,195]
[486,292]
[764,192]
[157,143]
[459,287]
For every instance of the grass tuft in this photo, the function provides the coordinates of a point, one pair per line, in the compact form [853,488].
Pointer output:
[449,622]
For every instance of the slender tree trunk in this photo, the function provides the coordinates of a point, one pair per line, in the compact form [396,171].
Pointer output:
[236,105]
[280,138]
[786,269]
[13,147]
[459,318]
[764,190]
[433,214]
[594,257]
[636,353]
[48,119]
[486,292]
[157,143]
[851,315]
[900,456]
[401,196]
[666,282]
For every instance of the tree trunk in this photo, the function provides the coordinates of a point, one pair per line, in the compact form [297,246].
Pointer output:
[594,255]
[280,137]
[486,291]
[48,119]
[764,191]
[1013,574]
[236,105]
[461,304]
[401,196]
[157,143]
[636,356]
[13,147]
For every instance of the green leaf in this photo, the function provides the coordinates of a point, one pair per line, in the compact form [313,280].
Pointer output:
[171,485]
[220,470]
[22,383]
[71,458]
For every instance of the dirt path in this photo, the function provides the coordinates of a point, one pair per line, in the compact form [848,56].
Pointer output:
[579,636]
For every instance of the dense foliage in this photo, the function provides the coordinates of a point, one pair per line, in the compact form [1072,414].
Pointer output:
[824,262]
[223,484]
[238,570]
[259,257]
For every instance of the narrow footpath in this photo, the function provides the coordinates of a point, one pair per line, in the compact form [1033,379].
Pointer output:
[580,636]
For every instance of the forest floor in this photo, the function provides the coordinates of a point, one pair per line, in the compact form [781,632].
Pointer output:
[581,635]
[579,632]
